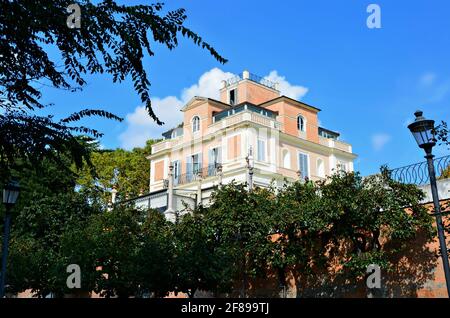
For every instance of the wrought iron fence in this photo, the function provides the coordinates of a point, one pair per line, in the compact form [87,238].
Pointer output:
[263,81]
[233,80]
[418,173]
[254,78]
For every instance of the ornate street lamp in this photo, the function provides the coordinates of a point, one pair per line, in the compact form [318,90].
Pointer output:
[423,131]
[10,195]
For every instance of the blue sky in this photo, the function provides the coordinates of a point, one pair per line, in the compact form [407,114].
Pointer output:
[368,82]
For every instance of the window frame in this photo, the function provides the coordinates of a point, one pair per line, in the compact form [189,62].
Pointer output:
[301,127]
[308,164]
[195,127]
[264,153]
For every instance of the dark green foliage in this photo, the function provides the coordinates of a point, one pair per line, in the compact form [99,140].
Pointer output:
[325,233]
[113,39]
[128,171]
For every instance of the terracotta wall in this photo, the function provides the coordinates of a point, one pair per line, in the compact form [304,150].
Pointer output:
[287,115]
[159,170]
[249,91]
[234,147]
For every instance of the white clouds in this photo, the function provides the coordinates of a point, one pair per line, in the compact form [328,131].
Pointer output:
[436,90]
[427,79]
[286,88]
[208,85]
[140,127]
[380,140]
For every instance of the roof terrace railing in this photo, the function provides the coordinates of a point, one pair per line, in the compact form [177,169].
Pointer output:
[418,173]
[263,81]
[252,77]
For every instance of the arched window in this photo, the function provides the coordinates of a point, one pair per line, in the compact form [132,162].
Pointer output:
[320,168]
[286,159]
[195,124]
[301,123]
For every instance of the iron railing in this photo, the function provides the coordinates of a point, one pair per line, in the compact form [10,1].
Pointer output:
[233,80]
[418,173]
[208,171]
[254,78]
[263,81]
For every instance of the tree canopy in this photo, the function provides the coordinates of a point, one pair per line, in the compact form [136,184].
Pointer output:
[112,39]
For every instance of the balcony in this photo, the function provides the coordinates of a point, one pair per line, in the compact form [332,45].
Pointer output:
[337,144]
[166,144]
[198,173]
[242,116]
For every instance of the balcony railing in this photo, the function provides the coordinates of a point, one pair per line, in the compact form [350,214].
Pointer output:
[262,81]
[418,173]
[202,172]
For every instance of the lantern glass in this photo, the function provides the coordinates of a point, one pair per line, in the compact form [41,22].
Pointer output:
[11,193]
[423,131]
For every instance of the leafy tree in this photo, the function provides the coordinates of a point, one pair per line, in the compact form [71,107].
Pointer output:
[112,39]
[299,225]
[238,225]
[155,258]
[36,260]
[201,263]
[326,233]
[372,221]
[134,252]
[128,171]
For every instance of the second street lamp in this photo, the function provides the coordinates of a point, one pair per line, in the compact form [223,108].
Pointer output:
[10,195]
[423,131]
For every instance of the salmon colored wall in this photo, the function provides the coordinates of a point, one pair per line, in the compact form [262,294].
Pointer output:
[204,110]
[234,147]
[312,159]
[288,116]
[159,170]
[224,96]
[249,91]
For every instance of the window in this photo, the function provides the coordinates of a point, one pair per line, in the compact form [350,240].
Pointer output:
[196,163]
[286,159]
[214,159]
[193,166]
[233,96]
[320,168]
[195,124]
[342,166]
[176,171]
[261,150]
[303,165]
[300,123]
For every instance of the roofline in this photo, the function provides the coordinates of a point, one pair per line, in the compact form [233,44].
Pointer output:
[248,103]
[205,99]
[285,98]
[329,130]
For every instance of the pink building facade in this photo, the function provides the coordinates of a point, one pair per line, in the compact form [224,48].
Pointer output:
[252,128]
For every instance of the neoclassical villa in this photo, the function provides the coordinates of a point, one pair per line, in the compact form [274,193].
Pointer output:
[252,134]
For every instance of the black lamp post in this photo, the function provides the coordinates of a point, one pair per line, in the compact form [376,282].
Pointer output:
[10,195]
[423,131]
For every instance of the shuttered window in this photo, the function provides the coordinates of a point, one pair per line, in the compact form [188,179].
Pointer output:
[303,165]
[261,150]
